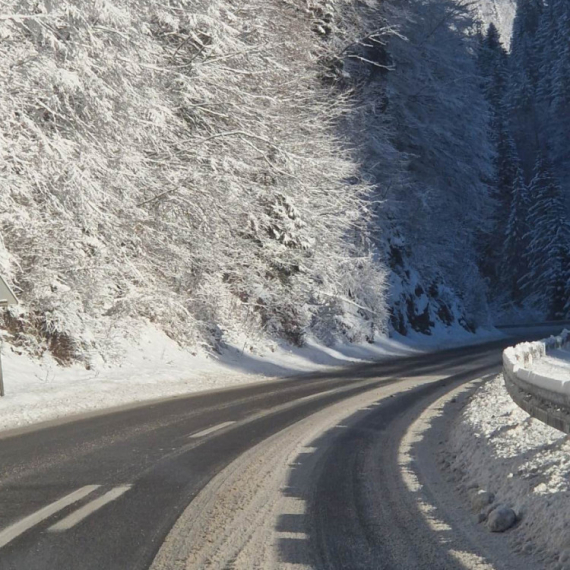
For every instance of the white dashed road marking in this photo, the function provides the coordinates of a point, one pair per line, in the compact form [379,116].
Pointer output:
[318,395]
[89,508]
[12,532]
[211,430]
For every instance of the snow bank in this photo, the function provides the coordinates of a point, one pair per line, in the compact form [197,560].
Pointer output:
[525,463]
[157,367]
[556,364]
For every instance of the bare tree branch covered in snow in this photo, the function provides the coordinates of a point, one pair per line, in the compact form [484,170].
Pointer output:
[182,163]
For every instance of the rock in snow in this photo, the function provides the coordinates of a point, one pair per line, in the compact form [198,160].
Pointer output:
[500,519]
[484,514]
[480,499]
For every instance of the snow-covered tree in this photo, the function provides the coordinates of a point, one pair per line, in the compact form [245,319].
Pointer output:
[182,164]
[492,60]
[545,53]
[557,122]
[525,67]
[548,236]
[493,66]
[513,255]
[524,39]
[433,178]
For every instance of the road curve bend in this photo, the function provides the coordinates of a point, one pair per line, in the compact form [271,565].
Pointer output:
[298,473]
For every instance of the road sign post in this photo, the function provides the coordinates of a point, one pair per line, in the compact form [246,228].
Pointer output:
[7,297]
[1,371]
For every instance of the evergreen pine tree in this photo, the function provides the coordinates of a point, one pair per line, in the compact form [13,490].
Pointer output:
[523,79]
[560,10]
[524,40]
[558,127]
[492,61]
[545,56]
[546,279]
[506,167]
[515,239]
[536,252]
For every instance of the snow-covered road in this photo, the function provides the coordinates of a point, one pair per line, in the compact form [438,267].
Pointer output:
[357,485]
[39,389]
[301,472]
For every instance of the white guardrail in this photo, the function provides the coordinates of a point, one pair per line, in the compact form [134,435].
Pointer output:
[546,399]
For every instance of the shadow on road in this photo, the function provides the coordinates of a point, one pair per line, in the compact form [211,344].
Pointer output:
[344,494]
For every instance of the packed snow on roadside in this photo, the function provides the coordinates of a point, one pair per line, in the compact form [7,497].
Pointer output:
[157,367]
[556,364]
[526,464]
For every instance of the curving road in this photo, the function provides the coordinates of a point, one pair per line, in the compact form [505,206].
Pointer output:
[104,492]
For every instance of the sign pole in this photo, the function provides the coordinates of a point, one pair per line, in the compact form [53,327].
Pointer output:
[3,305]
[1,373]
[7,297]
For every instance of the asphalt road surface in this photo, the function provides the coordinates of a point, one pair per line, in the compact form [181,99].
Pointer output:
[103,492]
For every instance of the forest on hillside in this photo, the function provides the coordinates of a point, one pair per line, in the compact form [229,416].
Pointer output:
[278,169]
[527,253]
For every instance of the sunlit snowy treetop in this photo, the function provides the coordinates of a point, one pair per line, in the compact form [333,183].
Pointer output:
[499,12]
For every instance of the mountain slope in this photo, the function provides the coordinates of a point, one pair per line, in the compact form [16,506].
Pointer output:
[269,171]
[178,163]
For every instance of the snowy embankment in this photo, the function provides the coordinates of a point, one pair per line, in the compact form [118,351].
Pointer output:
[520,461]
[39,389]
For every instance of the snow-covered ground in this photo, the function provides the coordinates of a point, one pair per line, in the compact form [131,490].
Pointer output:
[157,367]
[525,463]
